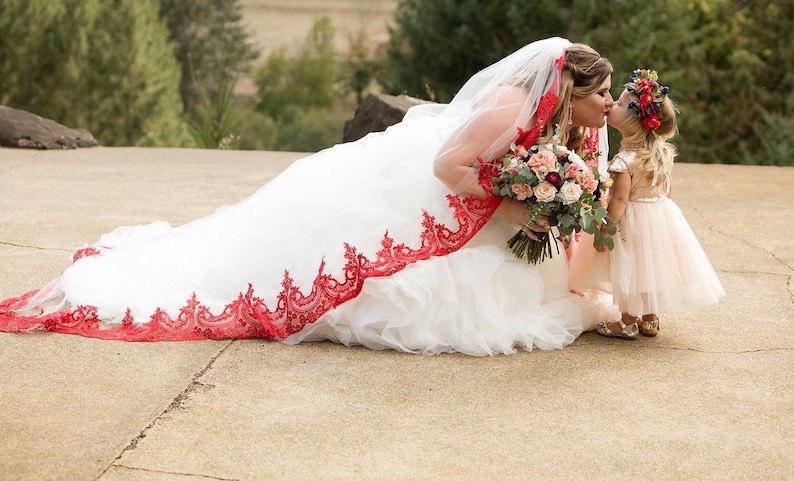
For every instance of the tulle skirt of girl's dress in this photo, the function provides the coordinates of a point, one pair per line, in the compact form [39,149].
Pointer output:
[358,244]
[658,264]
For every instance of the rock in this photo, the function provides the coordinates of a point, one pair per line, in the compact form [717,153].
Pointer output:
[25,130]
[377,112]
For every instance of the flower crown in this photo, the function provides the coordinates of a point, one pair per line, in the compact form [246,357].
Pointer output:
[644,84]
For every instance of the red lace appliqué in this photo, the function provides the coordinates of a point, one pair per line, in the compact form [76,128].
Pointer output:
[249,316]
[591,141]
[528,138]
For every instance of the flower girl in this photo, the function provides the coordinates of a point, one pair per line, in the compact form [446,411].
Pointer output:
[657,264]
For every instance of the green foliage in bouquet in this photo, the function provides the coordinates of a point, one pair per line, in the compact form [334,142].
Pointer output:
[559,185]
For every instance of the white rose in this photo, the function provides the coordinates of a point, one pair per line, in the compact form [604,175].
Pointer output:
[571,191]
[545,192]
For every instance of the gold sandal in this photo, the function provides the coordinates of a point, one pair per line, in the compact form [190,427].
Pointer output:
[649,328]
[627,331]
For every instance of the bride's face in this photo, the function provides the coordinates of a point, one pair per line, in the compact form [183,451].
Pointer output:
[591,111]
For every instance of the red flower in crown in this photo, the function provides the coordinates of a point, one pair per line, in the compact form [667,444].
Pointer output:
[644,84]
[651,123]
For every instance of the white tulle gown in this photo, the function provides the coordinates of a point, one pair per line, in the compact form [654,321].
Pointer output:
[359,244]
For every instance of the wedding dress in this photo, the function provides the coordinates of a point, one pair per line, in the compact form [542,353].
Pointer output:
[359,244]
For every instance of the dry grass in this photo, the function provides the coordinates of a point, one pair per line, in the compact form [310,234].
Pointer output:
[284,23]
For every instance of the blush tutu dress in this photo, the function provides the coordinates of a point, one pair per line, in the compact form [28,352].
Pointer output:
[657,265]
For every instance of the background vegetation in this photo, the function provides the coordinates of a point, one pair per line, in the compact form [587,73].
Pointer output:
[162,72]
[729,67]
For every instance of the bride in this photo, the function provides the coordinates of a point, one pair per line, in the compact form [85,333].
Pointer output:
[391,242]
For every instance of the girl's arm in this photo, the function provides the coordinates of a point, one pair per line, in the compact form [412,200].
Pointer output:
[619,195]
[618,199]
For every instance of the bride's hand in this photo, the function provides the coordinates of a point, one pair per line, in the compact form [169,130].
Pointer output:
[518,212]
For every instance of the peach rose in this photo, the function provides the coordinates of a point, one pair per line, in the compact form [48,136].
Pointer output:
[522,191]
[573,171]
[587,181]
[545,192]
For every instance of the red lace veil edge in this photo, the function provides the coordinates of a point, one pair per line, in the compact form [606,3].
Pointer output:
[249,316]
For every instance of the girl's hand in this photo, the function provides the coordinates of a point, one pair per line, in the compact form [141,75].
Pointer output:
[604,235]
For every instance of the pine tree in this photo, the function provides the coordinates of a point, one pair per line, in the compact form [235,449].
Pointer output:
[105,66]
[211,44]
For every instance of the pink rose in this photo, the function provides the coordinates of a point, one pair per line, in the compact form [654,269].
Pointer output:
[522,191]
[573,171]
[543,161]
[587,180]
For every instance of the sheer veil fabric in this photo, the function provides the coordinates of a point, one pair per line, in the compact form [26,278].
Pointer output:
[359,244]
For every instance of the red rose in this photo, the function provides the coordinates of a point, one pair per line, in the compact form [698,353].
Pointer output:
[651,123]
[553,178]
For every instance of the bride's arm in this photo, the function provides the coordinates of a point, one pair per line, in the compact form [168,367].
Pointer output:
[454,164]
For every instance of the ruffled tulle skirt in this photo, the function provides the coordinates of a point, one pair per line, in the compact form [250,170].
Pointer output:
[480,300]
[657,265]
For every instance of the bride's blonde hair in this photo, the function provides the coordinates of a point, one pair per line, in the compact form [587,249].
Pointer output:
[582,75]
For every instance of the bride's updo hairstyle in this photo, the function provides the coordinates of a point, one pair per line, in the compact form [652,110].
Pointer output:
[582,75]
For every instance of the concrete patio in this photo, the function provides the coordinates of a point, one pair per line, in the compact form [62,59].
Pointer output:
[711,398]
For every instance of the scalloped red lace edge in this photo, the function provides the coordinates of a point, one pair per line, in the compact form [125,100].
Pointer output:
[249,316]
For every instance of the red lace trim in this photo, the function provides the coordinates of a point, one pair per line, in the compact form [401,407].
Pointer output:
[249,316]
[591,141]
[528,138]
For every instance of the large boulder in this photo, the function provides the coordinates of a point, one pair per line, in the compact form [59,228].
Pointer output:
[25,130]
[377,112]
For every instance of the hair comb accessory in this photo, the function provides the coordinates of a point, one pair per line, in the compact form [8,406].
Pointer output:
[645,84]
[593,64]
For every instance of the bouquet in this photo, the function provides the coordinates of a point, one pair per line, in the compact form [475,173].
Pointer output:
[556,182]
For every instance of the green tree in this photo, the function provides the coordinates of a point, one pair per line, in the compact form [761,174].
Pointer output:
[105,66]
[358,65]
[211,44]
[305,81]
[725,64]
[436,45]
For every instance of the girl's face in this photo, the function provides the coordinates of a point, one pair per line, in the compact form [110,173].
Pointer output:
[620,112]
[591,111]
